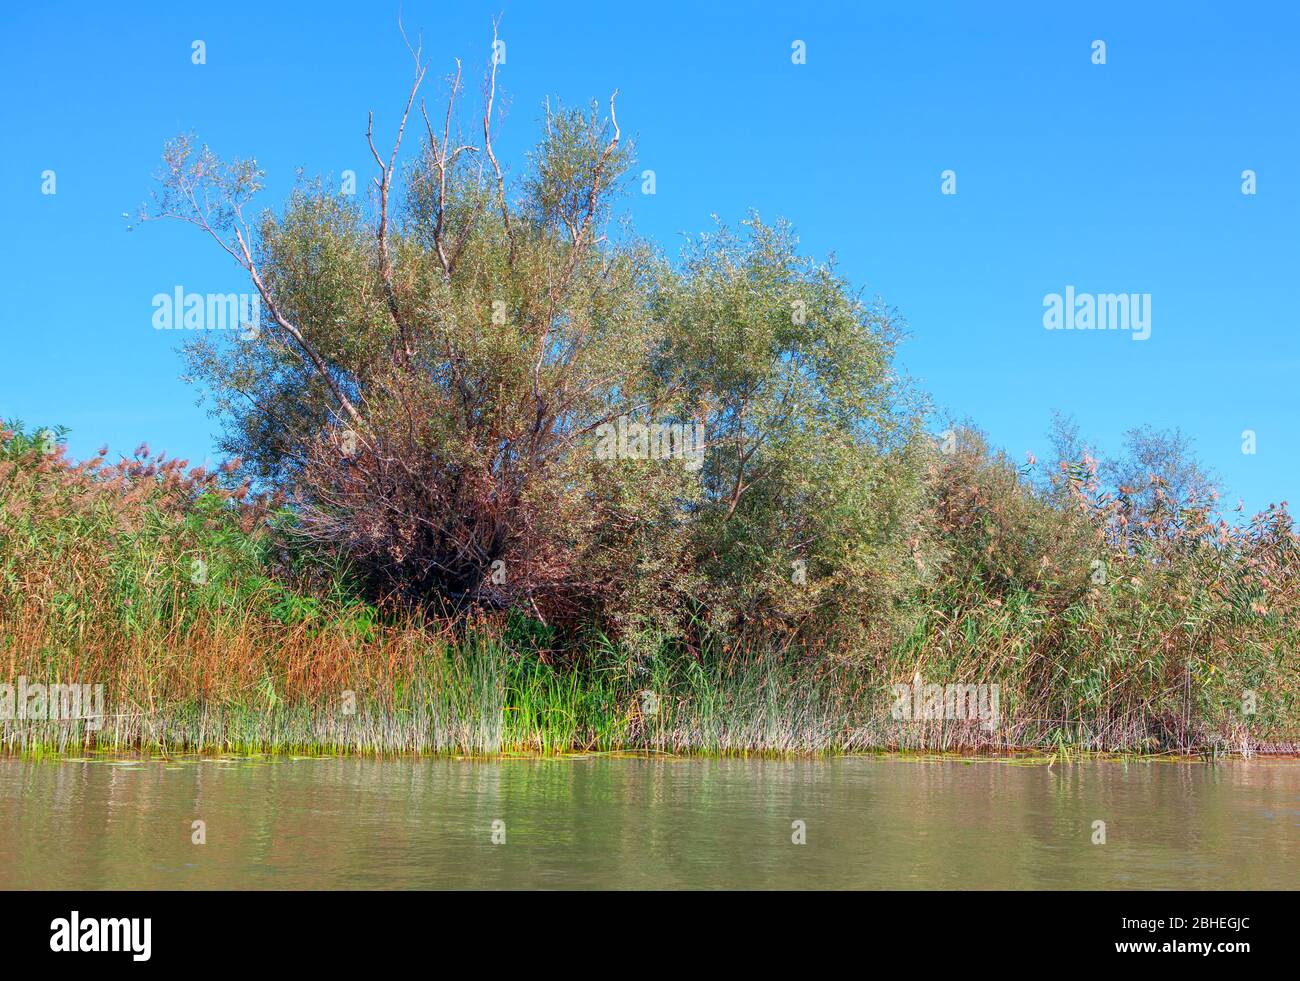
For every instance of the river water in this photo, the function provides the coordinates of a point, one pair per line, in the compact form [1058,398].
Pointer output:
[611,822]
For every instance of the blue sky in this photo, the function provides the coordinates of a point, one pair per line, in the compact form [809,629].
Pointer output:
[1122,177]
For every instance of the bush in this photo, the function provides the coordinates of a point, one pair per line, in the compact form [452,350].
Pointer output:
[447,400]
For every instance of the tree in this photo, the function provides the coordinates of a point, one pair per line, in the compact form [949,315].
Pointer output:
[1160,465]
[441,381]
[813,488]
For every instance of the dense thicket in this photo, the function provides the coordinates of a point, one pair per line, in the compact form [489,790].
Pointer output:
[1105,624]
[452,386]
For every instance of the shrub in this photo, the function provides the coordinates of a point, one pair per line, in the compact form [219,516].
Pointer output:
[435,395]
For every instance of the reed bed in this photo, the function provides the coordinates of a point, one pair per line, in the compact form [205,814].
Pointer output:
[407,691]
[153,582]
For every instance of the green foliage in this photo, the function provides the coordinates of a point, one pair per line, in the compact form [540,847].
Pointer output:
[815,472]
[490,341]
[440,396]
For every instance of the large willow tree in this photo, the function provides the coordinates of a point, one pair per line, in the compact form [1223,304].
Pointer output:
[434,372]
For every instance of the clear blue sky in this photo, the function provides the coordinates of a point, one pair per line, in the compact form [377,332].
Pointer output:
[1122,177]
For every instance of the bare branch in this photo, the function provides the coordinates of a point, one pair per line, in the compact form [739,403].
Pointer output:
[384,183]
[312,355]
[487,143]
[443,161]
[187,179]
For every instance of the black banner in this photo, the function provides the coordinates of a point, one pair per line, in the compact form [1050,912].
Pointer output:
[1221,932]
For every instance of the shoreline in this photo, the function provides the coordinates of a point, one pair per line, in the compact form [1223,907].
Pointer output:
[1018,758]
[167,740]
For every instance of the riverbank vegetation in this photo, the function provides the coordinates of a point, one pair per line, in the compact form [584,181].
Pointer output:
[210,627]
[502,476]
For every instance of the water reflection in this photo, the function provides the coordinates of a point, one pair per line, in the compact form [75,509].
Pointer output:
[635,823]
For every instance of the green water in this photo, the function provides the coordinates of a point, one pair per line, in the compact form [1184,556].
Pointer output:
[601,822]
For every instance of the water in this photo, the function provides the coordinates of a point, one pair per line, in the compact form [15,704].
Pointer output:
[600,822]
